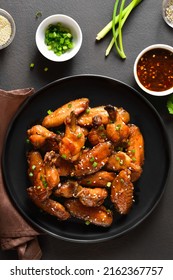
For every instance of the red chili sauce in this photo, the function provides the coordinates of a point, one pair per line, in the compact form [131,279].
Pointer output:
[155,70]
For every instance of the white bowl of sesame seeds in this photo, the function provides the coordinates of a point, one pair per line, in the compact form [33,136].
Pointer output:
[7,29]
[167,11]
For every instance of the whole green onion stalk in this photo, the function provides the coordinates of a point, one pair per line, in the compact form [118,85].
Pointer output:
[119,48]
[119,20]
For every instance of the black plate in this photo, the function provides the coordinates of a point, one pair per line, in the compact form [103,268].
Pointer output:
[100,91]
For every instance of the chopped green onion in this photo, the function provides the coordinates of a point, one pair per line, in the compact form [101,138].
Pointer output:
[45,184]
[32,65]
[58,38]
[170,104]
[118,126]
[101,127]
[92,159]
[58,132]
[94,164]
[38,14]
[87,222]
[79,135]
[64,156]
[87,111]
[88,182]
[49,112]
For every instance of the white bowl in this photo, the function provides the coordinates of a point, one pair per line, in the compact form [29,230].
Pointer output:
[67,22]
[167,16]
[152,92]
[6,15]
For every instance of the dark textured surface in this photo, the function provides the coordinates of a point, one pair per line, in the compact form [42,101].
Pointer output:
[153,238]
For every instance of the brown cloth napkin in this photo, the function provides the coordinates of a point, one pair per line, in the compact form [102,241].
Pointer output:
[15,232]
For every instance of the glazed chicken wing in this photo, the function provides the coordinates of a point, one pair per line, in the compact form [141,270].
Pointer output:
[67,189]
[41,174]
[97,134]
[73,141]
[36,173]
[43,177]
[58,117]
[42,138]
[99,179]
[119,161]
[90,197]
[122,114]
[64,167]
[122,192]
[50,206]
[86,119]
[52,176]
[135,148]
[99,216]
[117,130]
[93,160]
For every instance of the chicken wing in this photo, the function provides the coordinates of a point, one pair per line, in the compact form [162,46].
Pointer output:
[135,149]
[36,173]
[90,197]
[86,119]
[67,189]
[42,176]
[50,206]
[122,192]
[99,216]
[97,134]
[73,141]
[58,117]
[93,159]
[52,176]
[41,137]
[98,179]
[119,161]
[117,130]
[122,114]
[64,167]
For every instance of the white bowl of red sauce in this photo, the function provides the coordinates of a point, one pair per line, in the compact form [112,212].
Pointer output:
[153,69]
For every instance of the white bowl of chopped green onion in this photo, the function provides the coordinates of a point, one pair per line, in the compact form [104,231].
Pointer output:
[7,29]
[58,37]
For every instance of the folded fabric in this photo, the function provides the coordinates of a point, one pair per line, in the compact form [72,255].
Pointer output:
[15,232]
